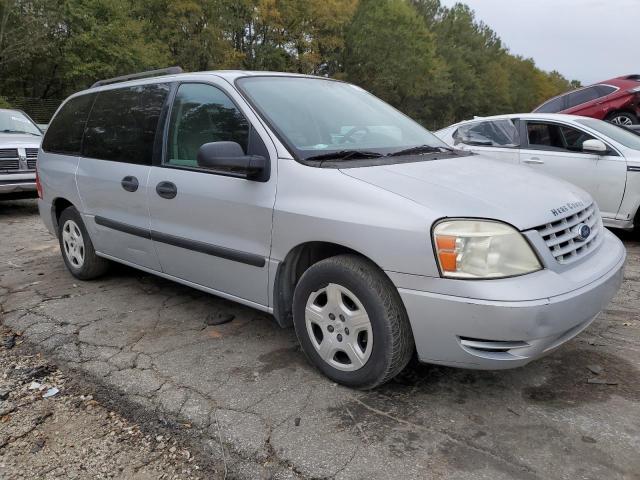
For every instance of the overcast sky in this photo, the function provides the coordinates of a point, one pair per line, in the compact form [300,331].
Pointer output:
[587,40]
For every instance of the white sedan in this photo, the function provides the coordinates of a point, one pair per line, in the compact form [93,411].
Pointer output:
[599,157]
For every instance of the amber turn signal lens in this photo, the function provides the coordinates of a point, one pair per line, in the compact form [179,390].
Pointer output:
[446,242]
[448,261]
[446,246]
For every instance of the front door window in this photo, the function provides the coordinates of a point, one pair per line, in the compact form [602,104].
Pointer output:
[202,114]
[551,136]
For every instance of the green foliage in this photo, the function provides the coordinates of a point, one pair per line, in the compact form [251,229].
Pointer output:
[437,64]
[4,103]
[485,79]
[390,52]
[67,44]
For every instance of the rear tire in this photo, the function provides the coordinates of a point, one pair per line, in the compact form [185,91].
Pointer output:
[76,247]
[622,118]
[351,322]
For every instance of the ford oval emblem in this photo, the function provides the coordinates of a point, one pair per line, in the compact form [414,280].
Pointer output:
[582,232]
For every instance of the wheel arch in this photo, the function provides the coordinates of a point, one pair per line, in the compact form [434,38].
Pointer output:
[295,263]
[58,205]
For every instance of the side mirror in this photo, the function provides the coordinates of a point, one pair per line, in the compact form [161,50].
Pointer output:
[594,146]
[229,158]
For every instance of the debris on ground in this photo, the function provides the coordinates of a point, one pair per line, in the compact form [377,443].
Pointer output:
[219,318]
[51,392]
[4,393]
[75,436]
[595,369]
[602,381]
[9,341]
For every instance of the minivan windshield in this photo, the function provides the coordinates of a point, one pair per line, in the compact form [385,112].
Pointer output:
[618,134]
[317,117]
[13,121]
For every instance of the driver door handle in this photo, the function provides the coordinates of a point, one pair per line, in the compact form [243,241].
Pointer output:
[167,190]
[533,161]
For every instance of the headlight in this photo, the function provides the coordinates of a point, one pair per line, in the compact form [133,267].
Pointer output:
[482,249]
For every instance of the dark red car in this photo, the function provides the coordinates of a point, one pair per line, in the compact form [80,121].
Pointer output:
[616,100]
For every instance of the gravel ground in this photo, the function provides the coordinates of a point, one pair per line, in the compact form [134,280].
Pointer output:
[70,435]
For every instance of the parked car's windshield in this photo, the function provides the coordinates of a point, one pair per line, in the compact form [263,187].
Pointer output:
[316,116]
[620,135]
[13,121]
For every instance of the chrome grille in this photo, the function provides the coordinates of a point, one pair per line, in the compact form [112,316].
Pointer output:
[561,238]
[32,157]
[9,164]
[9,153]
[9,160]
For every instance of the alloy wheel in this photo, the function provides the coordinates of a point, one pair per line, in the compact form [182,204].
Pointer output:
[622,120]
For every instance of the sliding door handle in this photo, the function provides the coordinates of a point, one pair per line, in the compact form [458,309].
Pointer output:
[130,184]
[167,190]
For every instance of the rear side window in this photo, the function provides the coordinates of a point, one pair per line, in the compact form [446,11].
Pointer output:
[498,133]
[604,90]
[552,106]
[123,123]
[64,134]
[582,96]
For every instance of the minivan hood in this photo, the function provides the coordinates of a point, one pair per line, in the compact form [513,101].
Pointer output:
[19,140]
[476,186]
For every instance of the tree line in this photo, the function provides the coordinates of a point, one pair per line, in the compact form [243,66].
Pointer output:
[437,64]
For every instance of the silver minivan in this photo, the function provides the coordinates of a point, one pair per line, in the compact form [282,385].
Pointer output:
[312,200]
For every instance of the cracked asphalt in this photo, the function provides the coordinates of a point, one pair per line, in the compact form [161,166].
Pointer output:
[258,410]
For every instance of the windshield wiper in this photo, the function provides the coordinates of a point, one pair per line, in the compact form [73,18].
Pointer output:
[421,149]
[20,131]
[345,155]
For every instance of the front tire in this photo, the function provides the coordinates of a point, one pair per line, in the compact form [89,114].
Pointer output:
[623,118]
[76,247]
[351,322]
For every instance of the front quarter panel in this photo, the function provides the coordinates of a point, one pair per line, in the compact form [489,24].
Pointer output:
[324,205]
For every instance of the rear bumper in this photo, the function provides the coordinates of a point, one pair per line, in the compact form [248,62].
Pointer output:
[489,334]
[47,216]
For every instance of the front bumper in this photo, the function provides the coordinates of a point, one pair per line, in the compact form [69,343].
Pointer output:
[24,183]
[479,333]
[17,183]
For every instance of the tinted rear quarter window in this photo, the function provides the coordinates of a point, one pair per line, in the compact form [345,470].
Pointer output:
[582,96]
[64,134]
[123,124]
[605,90]
[552,106]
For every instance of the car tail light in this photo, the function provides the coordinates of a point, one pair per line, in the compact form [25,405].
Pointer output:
[38,185]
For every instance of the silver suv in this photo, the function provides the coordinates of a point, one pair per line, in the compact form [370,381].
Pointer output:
[314,201]
[19,142]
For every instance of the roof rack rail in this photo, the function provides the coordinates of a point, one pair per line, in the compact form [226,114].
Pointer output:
[135,76]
